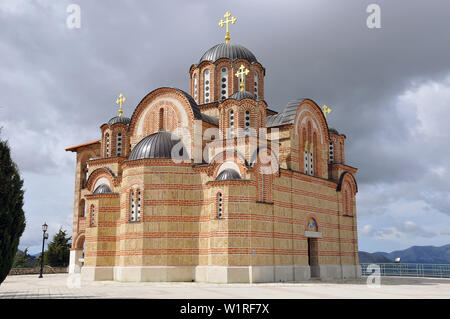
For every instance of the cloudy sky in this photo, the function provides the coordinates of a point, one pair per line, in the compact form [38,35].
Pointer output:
[389,90]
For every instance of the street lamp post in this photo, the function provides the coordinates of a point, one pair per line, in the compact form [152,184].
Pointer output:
[44,237]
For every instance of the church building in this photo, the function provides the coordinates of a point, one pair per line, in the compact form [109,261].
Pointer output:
[215,186]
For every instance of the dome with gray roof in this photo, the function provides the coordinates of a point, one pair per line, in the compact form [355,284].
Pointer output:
[228,50]
[228,175]
[102,189]
[240,95]
[157,145]
[119,119]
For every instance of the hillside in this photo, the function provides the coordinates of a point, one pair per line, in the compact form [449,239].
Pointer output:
[414,254]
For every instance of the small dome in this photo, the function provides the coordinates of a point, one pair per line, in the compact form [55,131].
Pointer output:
[157,145]
[228,175]
[119,119]
[228,50]
[239,95]
[333,130]
[102,189]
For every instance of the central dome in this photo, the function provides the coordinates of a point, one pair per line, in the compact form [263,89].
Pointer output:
[228,50]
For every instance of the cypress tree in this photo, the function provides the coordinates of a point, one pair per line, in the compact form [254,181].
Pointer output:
[12,216]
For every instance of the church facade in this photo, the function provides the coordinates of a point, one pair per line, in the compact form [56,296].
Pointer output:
[214,186]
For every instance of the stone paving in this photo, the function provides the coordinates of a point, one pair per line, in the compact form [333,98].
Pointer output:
[63,286]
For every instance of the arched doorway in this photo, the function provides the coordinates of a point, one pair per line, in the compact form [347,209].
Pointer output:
[77,255]
[312,235]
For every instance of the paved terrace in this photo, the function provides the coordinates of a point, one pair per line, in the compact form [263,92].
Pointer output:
[63,286]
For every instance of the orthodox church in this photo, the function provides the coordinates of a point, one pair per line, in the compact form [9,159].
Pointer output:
[215,186]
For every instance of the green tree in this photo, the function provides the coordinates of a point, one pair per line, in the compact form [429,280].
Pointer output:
[58,252]
[22,259]
[12,216]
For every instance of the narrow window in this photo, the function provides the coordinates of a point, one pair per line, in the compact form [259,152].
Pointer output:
[256,84]
[207,83]
[92,221]
[331,153]
[161,119]
[247,123]
[219,205]
[305,152]
[138,208]
[119,144]
[223,84]
[348,203]
[231,123]
[107,145]
[195,88]
[132,207]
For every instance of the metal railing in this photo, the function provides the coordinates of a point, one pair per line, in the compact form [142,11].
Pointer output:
[408,269]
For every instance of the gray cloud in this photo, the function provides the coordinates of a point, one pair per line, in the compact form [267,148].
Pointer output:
[407,229]
[59,85]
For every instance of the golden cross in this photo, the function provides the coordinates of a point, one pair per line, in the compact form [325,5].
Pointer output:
[241,74]
[221,23]
[120,101]
[326,110]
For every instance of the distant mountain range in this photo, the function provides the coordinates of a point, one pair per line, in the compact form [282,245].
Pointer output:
[414,254]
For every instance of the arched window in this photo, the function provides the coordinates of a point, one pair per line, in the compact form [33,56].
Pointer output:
[119,144]
[135,205]
[231,123]
[132,206]
[219,205]
[161,119]
[314,154]
[331,160]
[223,83]
[247,123]
[92,219]
[207,85]
[138,205]
[195,88]
[82,208]
[305,151]
[256,84]
[107,145]
[308,151]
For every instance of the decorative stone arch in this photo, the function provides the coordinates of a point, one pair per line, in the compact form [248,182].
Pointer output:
[227,156]
[79,241]
[313,108]
[102,172]
[347,177]
[348,188]
[228,165]
[185,108]
[310,120]
[84,157]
